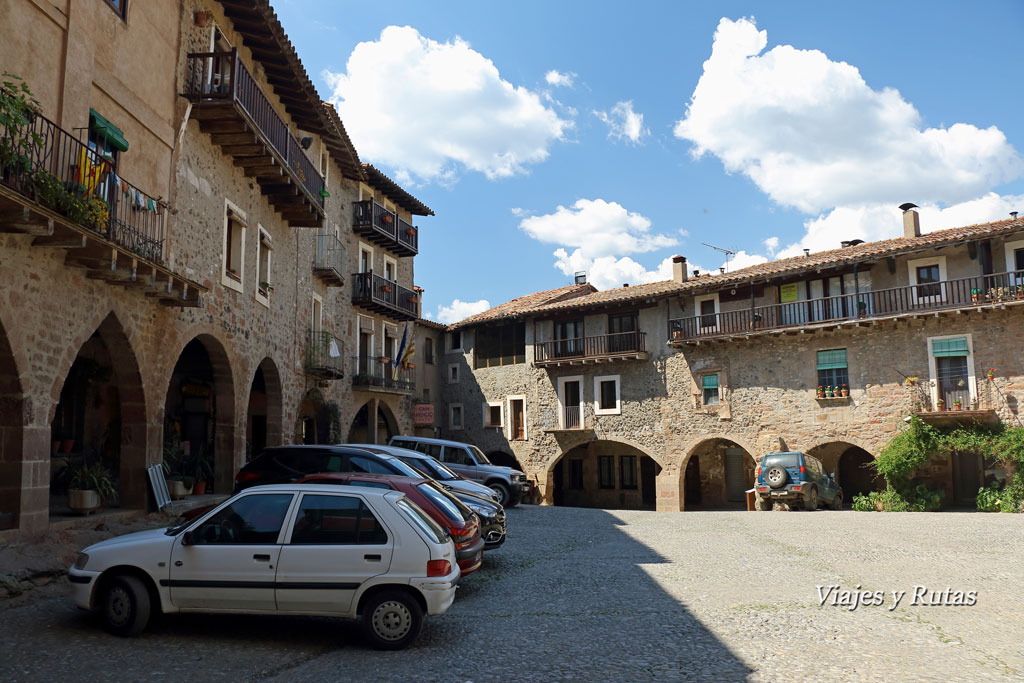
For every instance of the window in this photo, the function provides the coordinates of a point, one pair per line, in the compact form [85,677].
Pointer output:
[707,310]
[120,7]
[252,520]
[364,465]
[455,341]
[570,400]
[428,351]
[606,471]
[952,370]
[832,371]
[453,374]
[568,338]
[105,140]
[233,266]
[517,415]
[365,258]
[606,395]
[576,474]
[927,274]
[264,287]
[455,416]
[627,471]
[492,415]
[390,269]
[336,520]
[709,389]
[622,333]
[500,345]
[426,394]
[422,520]
[459,456]
[316,315]
[1014,253]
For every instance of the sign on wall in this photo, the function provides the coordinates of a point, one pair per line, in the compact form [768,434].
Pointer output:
[423,414]
[788,292]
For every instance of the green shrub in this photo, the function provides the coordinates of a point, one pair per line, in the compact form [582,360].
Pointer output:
[988,499]
[907,451]
[1011,497]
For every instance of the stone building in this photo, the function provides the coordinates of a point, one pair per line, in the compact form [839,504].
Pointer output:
[193,259]
[666,394]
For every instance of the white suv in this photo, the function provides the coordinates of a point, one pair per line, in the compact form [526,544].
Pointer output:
[300,549]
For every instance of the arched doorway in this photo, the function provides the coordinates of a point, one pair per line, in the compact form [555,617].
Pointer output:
[377,431]
[319,421]
[605,474]
[718,473]
[504,458]
[199,414]
[856,474]
[11,437]
[263,416]
[100,419]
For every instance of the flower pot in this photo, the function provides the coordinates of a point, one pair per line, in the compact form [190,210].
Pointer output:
[845,393]
[83,502]
[177,489]
[199,488]
[66,445]
[202,18]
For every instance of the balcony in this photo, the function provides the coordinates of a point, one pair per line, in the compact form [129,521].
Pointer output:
[385,228]
[600,349]
[373,374]
[997,290]
[375,293]
[230,107]
[328,263]
[323,356]
[566,419]
[54,187]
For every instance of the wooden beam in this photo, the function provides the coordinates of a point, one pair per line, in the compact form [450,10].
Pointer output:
[251,161]
[62,242]
[244,150]
[231,139]
[237,125]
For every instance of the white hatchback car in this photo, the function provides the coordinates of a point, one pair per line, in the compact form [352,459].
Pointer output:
[299,549]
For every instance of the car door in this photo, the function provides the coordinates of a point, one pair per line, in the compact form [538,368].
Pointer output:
[228,561]
[336,543]
[461,461]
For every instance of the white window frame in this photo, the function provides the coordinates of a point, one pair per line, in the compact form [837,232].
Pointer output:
[508,423]
[487,412]
[364,246]
[385,330]
[933,372]
[388,261]
[702,389]
[914,264]
[361,352]
[451,414]
[1008,249]
[263,296]
[225,279]
[561,398]
[697,301]
[458,373]
[617,410]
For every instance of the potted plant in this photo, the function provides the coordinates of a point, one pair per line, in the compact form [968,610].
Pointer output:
[991,374]
[940,405]
[845,391]
[386,289]
[917,406]
[89,485]
[829,392]
[820,393]
[974,403]
[387,218]
[383,359]
[958,404]
[200,466]
[174,465]
[202,18]
[266,287]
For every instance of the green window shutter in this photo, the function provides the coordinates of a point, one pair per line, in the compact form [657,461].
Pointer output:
[949,347]
[115,136]
[709,382]
[833,359]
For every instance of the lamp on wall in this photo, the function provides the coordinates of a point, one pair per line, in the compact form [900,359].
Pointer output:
[305,142]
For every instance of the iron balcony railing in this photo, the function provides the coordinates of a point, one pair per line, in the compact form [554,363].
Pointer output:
[329,261]
[386,227]
[947,294]
[408,235]
[591,347]
[378,371]
[222,75]
[378,292]
[324,356]
[44,162]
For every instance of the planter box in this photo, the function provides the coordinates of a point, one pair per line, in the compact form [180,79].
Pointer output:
[83,502]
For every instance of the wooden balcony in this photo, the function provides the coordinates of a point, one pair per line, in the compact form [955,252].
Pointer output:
[384,227]
[599,349]
[329,261]
[54,187]
[377,374]
[323,357]
[230,107]
[375,293]
[997,290]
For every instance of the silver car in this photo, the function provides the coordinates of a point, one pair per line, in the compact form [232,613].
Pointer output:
[434,468]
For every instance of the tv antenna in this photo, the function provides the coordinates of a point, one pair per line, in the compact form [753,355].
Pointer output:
[727,252]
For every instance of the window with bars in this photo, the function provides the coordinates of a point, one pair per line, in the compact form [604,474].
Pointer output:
[606,471]
[709,389]
[951,369]
[832,369]
[627,471]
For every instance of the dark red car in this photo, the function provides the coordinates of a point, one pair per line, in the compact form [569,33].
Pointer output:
[461,522]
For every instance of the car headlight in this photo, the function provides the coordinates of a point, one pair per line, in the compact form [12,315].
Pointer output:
[81,560]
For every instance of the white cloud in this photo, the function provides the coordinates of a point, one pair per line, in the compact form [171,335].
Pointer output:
[519,212]
[771,245]
[427,109]
[623,122]
[742,259]
[560,79]
[460,310]
[813,135]
[596,228]
[608,272]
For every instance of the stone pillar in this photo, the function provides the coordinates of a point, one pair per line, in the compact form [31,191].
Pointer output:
[669,491]
[371,420]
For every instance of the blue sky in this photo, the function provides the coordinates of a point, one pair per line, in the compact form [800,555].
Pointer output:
[519,124]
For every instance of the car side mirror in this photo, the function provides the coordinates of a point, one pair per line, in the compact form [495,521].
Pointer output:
[187,538]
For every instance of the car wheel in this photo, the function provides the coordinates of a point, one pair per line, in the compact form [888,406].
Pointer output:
[125,606]
[776,476]
[392,620]
[837,502]
[811,503]
[504,497]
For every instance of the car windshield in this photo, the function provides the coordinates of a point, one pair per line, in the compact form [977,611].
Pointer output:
[481,459]
[420,519]
[784,459]
[452,508]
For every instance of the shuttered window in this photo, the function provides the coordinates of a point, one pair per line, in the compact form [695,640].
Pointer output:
[832,368]
[945,348]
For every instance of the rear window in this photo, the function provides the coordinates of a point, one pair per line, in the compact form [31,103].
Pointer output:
[421,520]
[402,443]
[784,459]
[451,508]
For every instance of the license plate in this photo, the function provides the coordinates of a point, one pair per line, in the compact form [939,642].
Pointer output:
[778,493]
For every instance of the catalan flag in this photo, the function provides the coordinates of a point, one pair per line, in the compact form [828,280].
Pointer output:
[406,349]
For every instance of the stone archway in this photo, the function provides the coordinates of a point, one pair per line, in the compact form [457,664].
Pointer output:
[12,498]
[374,423]
[499,457]
[318,420]
[265,408]
[100,416]
[856,474]
[716,473]
[603,474]
[199,410]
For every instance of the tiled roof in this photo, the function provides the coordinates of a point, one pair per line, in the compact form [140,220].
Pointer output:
[431,324]
[620,295]
[524,304]
[395,192]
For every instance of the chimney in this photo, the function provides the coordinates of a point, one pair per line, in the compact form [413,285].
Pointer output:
[911,221]
[696,273]
[679,268]
[807,252]
[1013,215]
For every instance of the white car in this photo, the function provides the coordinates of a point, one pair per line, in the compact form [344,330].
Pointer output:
[300,549]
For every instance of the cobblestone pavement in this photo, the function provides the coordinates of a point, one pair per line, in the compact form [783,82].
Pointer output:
[598,595]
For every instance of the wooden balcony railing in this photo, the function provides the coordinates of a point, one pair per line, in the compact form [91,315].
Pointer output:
[385,228]
[329,261]
[376,293]
[324,357]
[371,372]
[605,346]
[948,294]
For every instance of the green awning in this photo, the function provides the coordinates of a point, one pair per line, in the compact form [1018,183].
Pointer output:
[114,135]
[709,381]
[949,347]
[833,359]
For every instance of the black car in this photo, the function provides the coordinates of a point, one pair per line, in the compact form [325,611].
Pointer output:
[285,464]
[491,514]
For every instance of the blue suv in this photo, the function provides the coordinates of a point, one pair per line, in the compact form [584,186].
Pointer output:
[796,479]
